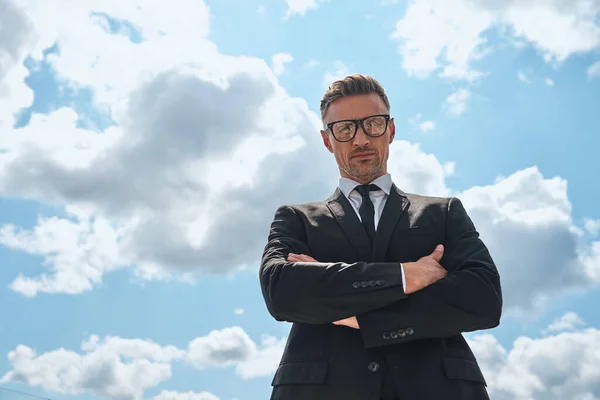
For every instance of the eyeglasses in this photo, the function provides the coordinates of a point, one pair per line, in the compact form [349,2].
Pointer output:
[373,126]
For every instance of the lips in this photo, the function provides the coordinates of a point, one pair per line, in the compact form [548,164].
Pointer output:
[363,155]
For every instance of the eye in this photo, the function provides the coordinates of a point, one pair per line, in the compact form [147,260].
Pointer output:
[344,126]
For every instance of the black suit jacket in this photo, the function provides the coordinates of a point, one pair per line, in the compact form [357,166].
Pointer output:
[417,337]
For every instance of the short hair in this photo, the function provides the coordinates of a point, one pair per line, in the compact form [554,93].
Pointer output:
[349,86]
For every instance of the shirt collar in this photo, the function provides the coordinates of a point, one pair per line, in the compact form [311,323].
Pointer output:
[384,182]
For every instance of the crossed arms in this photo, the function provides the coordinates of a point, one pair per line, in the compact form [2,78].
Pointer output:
[468,298]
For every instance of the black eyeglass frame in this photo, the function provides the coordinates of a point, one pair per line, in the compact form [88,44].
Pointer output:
[361,122]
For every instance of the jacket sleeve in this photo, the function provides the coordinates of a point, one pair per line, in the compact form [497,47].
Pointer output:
[469,298]
[320,292]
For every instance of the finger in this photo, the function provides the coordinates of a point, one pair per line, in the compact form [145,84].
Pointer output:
[299,258]
[292,257]
[438,253]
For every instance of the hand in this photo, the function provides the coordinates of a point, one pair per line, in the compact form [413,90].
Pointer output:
[425,271]
[292,257]
[351,322]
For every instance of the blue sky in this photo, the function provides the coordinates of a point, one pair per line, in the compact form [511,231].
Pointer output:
[135,139]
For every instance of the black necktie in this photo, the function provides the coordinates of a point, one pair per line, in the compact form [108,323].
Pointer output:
[366,210]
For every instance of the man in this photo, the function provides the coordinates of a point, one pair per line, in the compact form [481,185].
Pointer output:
[378,283]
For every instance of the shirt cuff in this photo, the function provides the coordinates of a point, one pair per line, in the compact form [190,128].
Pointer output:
[403,278]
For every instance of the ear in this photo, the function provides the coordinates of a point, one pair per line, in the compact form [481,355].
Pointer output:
[327,141]
[392,129]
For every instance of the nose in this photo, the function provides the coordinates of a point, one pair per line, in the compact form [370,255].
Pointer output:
[361,139]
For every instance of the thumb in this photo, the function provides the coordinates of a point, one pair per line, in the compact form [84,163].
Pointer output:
[438,253]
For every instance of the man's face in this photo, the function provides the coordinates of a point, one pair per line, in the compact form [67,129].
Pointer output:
[363,158]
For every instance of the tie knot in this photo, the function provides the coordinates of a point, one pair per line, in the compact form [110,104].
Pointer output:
[365,189]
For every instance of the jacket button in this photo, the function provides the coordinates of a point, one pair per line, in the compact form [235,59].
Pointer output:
[356,285]
[394,334]
[386,336]
[401,332]
[373,366]
[410,331]
[364,284]
[380,283]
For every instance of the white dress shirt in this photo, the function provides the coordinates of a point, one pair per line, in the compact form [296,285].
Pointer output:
[378,197]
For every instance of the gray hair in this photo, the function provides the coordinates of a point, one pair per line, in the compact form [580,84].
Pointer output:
[349,86]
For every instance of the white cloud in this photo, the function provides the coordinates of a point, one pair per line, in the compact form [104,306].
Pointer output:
[300,7]
[549,82]
[568,322]
[590,259]
[110,64]
[103,371]
[592,226]
[221,348]
[548,368]
[145,192]
[427,126]
[279,61]
[16,36]
[525,219]
[594,70]
[120,368]
[416,171]
[263,361]
[238,311]
[432,30]
[423,126]
[557,367]
[450,35]
[456,102]
[80,253]
[16,31]
[172,395]
[233,346]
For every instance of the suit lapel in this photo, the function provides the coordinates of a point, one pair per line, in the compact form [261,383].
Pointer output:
[345,215]
[395,207]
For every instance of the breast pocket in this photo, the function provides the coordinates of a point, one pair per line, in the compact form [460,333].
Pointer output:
[301,373]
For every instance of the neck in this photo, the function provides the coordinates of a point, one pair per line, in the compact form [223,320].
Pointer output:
[363,179]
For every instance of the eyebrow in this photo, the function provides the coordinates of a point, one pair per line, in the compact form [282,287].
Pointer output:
[356,119]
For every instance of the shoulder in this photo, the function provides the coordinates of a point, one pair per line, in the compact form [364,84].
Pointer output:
[308,208]
[449,204]
[315,207]
[450,207]
[425,201]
